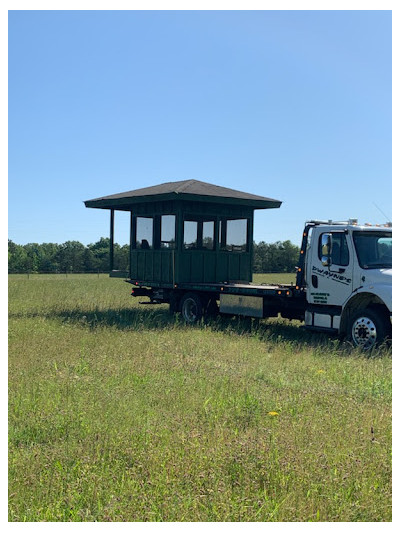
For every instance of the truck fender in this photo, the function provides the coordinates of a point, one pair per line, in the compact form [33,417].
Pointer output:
[358,301]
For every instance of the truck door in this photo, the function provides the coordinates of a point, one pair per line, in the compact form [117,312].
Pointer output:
[330,286]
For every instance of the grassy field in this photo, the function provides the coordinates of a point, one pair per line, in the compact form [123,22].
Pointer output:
[120,412]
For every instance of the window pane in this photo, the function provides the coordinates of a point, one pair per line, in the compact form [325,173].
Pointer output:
[208,235]
[340,250]
[144,233]
[190,234]
[168,231]
[385,249]
[374,250]
[236,235]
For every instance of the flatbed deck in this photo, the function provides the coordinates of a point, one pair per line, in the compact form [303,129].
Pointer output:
[285,290]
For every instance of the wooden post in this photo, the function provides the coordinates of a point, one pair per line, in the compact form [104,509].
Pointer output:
[132,241]
[250,237]
[111,240]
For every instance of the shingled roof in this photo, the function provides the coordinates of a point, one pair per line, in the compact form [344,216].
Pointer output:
[192,190]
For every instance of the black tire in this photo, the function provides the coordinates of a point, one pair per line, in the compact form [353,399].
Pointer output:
[212,308]
[192,307]
[368,328]
[174,304]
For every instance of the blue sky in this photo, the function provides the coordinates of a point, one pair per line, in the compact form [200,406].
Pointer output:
[293,105]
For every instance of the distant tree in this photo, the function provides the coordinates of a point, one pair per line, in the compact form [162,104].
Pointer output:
[17,258]
[275,257]
[289,256]
[49,257]
[121,257]
[34,256]
[74,256]
[90,262]
[260,261]
[70,256]
[101,251]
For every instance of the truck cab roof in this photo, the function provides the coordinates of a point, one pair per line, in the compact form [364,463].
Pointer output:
[351,224]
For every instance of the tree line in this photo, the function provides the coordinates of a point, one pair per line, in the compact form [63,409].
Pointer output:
[73,256]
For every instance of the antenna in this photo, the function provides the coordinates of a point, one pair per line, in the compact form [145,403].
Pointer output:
[379,209]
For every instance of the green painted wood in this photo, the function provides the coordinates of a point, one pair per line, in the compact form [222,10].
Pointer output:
[111,240]
[168,266]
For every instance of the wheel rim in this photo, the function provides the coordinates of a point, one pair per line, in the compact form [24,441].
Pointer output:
[364,332]
[189,310]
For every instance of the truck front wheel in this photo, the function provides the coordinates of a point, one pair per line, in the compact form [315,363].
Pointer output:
[368,328]
[191,307]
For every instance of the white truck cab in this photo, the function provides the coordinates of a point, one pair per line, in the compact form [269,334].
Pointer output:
[348,279]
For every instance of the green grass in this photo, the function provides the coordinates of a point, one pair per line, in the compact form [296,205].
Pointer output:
[120,412]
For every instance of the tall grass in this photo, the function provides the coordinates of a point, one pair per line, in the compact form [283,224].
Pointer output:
[120,412]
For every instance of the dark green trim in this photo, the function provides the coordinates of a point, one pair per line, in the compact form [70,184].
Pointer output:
[119,274]
[128,202]
[111,240]
[132,241]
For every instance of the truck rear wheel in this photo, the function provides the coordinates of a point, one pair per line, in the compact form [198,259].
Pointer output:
[368,328]
[191,307]
[211,308]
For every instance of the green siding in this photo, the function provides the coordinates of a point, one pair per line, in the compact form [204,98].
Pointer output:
[191,266]
[209,267]
[152,265]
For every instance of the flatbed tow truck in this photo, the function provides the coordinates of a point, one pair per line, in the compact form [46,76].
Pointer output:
[191,247]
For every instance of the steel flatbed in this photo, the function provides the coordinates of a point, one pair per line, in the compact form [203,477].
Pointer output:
[231,288]
[258,300]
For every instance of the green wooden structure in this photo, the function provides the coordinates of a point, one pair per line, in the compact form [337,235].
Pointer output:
[187,232]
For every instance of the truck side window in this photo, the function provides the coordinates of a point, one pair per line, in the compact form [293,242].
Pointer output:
[144,233]
[168,231]
[340,250]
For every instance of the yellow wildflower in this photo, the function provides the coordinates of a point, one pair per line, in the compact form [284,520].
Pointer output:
[273,413]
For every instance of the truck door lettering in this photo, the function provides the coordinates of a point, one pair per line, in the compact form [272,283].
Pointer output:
[320,297]
[334,276]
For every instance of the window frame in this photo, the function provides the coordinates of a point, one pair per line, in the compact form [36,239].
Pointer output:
[151,246]
[200,221]
[223,234]
[343,238]
[356,234]
[175,232]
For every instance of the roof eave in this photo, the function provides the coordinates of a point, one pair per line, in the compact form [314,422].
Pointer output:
[125,202]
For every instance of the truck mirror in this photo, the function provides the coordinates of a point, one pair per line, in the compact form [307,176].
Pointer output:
[326,249]
[326,244]
[326,261]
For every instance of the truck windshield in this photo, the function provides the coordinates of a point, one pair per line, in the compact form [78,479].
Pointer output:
[374,249]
